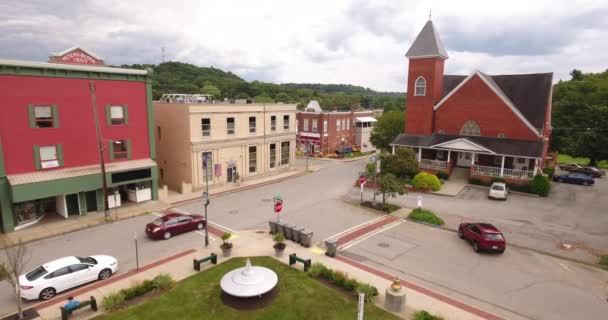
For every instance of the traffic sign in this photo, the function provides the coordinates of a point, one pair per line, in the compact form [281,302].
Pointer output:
[205,199]
[278,206]
[362,180]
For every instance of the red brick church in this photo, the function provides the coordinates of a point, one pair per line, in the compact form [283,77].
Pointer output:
[492,125]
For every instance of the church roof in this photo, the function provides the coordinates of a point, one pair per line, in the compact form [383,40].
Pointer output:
[529,93]
[427,44]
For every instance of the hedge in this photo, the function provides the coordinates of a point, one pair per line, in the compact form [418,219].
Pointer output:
[424,180]
[425,215]
[116,300]
[424,315]
[540,185]
[339,278]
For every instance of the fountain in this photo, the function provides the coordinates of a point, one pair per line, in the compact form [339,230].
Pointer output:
[249,281]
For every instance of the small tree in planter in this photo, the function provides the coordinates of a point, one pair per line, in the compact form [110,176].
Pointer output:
[389,187]
[279,245]
[226,246]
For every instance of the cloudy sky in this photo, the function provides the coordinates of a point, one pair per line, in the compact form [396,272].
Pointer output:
[327,41]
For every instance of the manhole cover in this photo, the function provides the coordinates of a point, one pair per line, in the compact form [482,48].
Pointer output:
[260,231]
[233,211]
[383,245]
[266,200]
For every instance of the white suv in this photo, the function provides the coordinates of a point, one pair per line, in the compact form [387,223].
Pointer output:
[498,190]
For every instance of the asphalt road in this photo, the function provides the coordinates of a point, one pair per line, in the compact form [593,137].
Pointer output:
[519,284]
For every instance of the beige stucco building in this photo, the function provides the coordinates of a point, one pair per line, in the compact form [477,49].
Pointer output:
[243,141]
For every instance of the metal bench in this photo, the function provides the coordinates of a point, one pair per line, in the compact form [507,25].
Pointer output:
[65,313]
[293,259]
[197,262]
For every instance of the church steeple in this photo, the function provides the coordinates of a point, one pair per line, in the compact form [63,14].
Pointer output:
[427,44]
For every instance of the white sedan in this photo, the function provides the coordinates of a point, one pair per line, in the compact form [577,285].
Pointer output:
[65,273]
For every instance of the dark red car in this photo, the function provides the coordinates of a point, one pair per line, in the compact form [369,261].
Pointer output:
[173,223]
[482,236]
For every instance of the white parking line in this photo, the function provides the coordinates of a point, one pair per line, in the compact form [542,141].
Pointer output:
[355,227]
[563,266]
[390,226]
[184,212]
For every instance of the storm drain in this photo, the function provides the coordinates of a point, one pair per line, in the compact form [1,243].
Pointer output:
[383,245]
[233,211]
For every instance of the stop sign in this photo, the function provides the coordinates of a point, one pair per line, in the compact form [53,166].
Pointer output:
[278,206]
[361,179]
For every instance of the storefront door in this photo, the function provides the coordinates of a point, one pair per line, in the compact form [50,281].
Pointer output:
[91,198]
[72,204]
[231,174]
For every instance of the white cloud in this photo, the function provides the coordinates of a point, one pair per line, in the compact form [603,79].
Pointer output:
[338,41]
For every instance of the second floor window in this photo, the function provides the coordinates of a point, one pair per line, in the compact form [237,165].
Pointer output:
[251,124]
[420,87]
[305,125]
[206,127]
[338,127]
[325,126]
[285,122]
[48,157]
[230,125]
[119,149]
[273,123]
[314,126]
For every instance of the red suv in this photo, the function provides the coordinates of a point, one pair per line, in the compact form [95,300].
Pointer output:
[482,236]
[174,223]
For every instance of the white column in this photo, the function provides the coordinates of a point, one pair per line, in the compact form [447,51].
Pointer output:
[502,166]
[449,152]
[535,167]
[472,158]
[393,149]
[419,154]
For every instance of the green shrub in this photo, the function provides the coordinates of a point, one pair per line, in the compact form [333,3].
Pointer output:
[144,287]
[423,315]
[113,301]
[520,187]
[425,215]
[351,284]
[540,185]
[443,175]
[497,179]
[476,181]
[163,281]
[316,269]
[390,208]
[130,293]
[604,260]
[370,291]
[338,278]
[549,171]
[425,180]
[327,273]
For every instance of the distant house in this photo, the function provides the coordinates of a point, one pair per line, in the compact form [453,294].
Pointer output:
[327,132]
[490,125]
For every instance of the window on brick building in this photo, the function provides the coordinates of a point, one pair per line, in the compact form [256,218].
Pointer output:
[273,123]
[325,126]
[43,117]
[470,128]
[230,125]
[49,157]
[118,115]
[251,124]
[206,127]
[338,126]
[420,87]
[305,125]
[315,128]
[120,149]
[286,122]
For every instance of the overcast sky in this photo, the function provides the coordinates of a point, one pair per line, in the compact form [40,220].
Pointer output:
[327,41]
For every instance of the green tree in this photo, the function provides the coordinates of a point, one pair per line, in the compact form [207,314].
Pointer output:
[283,97]
[263,98]
[387,128]
[389,186]
[402,164]
[576,75]
[212,90]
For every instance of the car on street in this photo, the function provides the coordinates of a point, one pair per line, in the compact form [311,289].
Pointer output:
[45,281]
[590,171]
[174,223]
[498,190]
[482,236]
[576,178]
[570,166]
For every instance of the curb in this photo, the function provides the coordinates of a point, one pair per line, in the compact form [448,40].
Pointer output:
[514,192]
[338,160]
[429,224]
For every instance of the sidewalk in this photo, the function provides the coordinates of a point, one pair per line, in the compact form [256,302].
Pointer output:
[252,243]
[63,226]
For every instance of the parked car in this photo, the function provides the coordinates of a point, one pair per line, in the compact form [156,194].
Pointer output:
[577,178]
[482,236]
[590,171]
[174,223]
[45,281]
[498,190]
[570,166]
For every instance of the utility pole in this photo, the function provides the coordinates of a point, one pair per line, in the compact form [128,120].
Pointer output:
[206,198]
[104,183]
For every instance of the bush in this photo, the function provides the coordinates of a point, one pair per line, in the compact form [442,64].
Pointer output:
[520,187]
[443,175]
[497,179]
[370,291]
[425,215]
[163,282]
[113,301]
[423,315]
[549,171]
[604,260]
[540,185]
[338,278]
[390,208]
[316,269]
[425,180]
[476,181]
[351,284]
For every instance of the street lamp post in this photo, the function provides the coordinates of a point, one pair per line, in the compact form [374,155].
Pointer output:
[136,251]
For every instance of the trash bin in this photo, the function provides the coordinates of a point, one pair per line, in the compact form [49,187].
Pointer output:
[331,247]
[273,227]
[288,231]
[306,238]
[297,234]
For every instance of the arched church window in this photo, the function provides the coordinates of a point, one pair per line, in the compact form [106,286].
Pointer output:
[470,128]
[420,87]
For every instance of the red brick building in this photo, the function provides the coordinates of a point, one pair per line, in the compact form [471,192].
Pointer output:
[491,125]
[49,156]
[329,132]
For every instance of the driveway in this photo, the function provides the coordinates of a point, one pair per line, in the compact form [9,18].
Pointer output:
[572,214]
[519,284]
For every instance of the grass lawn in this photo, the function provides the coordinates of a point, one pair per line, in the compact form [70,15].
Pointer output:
[357,154]
[564,158]
[299,297]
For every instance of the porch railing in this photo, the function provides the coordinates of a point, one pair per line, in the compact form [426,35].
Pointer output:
[509,173]
[433,164]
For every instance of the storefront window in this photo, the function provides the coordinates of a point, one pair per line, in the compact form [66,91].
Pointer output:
[30,211]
